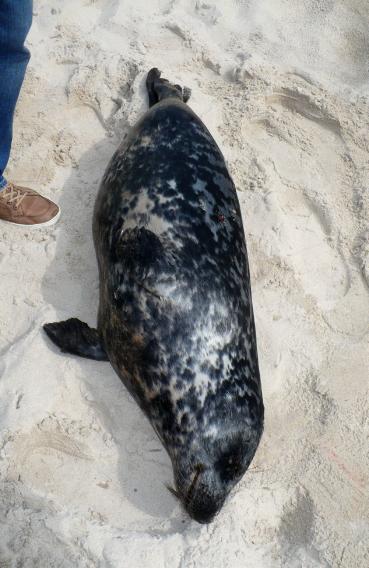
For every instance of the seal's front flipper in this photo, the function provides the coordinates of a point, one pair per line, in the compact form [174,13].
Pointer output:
[160,89]
[75,336]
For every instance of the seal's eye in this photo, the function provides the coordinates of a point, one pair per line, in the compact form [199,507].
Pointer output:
[230,465]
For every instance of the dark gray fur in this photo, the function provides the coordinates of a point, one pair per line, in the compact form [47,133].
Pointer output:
[175,314]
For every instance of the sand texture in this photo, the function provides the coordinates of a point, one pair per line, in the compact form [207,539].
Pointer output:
[283,87]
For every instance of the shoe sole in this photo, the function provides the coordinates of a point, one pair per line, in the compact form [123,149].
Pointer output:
[52,221]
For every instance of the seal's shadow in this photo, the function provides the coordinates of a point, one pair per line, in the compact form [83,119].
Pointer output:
[71,287]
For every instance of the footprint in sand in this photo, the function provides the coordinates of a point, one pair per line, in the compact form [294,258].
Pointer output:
[296,532]
[45,445]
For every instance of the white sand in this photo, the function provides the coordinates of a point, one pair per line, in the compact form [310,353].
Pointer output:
[283,86]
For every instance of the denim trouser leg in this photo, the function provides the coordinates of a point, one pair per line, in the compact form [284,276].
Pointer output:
[15,22]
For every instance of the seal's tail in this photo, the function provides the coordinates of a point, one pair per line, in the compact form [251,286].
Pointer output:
[160,89]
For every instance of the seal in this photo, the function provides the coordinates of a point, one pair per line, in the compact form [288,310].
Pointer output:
[175,314]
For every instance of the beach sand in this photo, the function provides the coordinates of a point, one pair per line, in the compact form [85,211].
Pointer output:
[283,87]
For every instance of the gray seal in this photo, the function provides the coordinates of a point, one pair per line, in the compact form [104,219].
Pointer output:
[175,315]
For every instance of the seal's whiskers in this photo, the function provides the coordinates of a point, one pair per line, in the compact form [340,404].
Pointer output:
[199,469]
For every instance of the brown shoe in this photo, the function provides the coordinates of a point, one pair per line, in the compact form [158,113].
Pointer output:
[26,207]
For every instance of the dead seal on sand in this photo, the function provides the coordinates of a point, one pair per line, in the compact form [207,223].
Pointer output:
[175,315]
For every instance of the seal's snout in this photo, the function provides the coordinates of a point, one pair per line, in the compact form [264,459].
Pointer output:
[204,508]
[202,498]
[206,474]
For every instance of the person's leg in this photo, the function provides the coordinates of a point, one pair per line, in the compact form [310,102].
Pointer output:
[15,22]
[19,205]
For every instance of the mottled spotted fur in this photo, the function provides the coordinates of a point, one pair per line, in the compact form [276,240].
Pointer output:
[175,315]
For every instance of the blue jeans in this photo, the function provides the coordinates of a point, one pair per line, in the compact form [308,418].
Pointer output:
[15,22]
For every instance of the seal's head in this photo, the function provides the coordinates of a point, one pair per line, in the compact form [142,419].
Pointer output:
[206,471]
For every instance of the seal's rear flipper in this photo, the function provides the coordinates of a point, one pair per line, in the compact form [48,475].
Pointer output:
[160,89]
[74,336]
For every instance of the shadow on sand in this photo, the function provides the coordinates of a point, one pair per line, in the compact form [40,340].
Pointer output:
[71,287]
